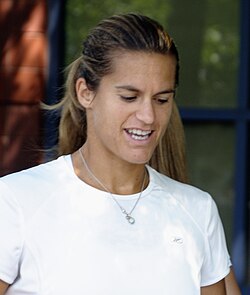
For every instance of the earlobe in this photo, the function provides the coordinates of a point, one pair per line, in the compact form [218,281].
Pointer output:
[84,95]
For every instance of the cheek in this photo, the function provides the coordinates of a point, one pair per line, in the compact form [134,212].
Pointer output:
[99,113]
[97,122]
[164,117]
[105,120]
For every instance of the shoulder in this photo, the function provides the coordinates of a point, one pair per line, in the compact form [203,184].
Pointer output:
[193,202]
[32,176]
[22,196]
[27,190]
[182,192]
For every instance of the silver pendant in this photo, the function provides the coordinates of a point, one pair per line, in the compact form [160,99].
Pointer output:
[130,219]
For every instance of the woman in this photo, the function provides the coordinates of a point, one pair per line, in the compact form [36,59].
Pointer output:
[100,220]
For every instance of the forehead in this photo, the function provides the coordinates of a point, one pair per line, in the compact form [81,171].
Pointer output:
[142,67]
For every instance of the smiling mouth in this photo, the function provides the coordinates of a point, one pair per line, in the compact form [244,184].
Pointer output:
[139,134]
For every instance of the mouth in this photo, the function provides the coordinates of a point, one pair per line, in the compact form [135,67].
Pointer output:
[138,134]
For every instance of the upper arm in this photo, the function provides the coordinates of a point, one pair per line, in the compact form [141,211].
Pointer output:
[216,262]
[232,287]
[215,289]
[12,237]
[3,287]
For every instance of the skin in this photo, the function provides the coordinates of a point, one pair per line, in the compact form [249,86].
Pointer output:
[229,286]
[215,289]
[232,287]
[116,158]
[138,94]
[3,287]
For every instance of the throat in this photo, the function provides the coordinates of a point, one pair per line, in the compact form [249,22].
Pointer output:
[117,181]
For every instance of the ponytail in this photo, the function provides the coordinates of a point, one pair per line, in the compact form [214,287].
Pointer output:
[73,125]
[169,157]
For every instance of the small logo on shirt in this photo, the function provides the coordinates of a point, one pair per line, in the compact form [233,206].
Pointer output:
[177,240]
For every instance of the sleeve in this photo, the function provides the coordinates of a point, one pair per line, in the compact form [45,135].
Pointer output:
[11,237]
[216,264]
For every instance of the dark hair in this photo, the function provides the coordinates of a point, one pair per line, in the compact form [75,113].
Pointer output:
[124,32]
[130,32]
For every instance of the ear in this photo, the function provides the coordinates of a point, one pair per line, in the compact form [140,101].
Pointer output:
[84,95]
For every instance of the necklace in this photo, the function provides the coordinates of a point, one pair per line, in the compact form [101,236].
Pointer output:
[128,216]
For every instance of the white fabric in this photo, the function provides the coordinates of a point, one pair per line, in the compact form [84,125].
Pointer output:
[60,236]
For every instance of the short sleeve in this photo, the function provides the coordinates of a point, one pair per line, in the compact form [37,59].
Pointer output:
[11,237]
[217,263]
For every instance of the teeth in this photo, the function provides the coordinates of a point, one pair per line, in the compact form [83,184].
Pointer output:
[136,137]
[139,132]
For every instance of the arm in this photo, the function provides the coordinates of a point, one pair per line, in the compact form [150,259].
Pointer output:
[11,236]
[232,287]
[3,287]
[228,286]
[215,289]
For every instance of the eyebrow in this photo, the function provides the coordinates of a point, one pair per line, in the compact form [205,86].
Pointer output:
[133,89]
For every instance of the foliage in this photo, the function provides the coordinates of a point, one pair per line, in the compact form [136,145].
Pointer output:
[83,15]
[205,32]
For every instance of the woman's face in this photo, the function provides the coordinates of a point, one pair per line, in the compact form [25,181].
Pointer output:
[132,107]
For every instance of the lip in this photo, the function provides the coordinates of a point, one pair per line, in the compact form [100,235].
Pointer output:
[139,136]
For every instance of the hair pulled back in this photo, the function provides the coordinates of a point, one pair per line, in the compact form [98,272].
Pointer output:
[125,32]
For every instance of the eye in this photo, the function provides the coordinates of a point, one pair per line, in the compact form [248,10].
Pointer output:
[128,98]
[162,100]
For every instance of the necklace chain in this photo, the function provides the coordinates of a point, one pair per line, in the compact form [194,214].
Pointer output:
[128,216]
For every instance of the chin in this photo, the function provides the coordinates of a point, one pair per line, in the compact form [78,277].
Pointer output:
[136,156]
[139,160]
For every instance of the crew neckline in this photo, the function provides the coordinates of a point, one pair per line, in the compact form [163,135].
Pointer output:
[69,164]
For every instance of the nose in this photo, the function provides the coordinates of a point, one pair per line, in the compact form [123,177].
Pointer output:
[145,112]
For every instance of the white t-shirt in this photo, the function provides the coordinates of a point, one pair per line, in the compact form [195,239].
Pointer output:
[60,236]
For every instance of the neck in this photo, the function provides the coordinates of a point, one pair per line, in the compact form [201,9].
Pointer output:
[118,177]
